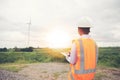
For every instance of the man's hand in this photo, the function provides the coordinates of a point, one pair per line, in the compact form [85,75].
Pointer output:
[65,54]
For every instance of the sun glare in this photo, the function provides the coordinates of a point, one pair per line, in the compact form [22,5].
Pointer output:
[58,39]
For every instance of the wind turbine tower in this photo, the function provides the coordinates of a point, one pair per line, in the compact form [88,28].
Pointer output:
[29,25]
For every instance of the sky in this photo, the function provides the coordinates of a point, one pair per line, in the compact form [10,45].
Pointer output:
[62,15]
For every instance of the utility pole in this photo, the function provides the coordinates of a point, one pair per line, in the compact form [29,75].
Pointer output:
[29,25]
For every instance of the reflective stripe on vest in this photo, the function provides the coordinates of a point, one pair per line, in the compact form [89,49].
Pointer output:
[82,68]
[71,76]
[96,53]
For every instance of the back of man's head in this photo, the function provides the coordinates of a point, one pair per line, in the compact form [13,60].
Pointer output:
[83,30]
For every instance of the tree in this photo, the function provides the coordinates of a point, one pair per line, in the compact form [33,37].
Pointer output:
[16,49]
[3,49]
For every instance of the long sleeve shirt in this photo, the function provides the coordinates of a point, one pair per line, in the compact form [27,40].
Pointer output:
[72,57]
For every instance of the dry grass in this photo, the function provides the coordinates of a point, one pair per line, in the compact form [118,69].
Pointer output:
[12,67]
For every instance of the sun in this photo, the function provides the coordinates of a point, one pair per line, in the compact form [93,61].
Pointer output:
[58,39]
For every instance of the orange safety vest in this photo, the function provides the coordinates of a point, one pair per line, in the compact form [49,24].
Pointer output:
[87,55]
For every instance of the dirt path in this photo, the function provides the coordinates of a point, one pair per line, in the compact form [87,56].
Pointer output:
[107,74]
[59,71]
[46,71]
[54,71]
[7,75]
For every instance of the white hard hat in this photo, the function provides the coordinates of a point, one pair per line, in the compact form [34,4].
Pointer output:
[84,23]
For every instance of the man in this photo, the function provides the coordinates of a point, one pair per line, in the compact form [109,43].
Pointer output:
[83,55]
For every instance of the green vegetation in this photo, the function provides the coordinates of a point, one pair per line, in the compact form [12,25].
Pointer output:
[12,66]
[56,75]
[108,56]
[38,55]
[100,76]
[3,49]
[27,49]
[12,59]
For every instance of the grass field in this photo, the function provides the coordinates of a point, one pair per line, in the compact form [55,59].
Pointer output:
[108,67]
[12,66]
[108,57]
[38,55]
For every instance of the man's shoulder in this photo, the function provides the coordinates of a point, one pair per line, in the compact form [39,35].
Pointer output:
[78,39]
[75,40]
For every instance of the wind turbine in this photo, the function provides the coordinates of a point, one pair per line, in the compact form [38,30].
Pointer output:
[29,25]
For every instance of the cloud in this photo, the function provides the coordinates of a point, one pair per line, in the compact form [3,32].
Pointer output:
[106,17]
[48,14]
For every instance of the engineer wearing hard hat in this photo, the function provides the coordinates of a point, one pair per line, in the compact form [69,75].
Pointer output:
[84,54]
